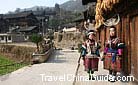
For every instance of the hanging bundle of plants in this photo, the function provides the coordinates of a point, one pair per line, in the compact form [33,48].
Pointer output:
[98,8]
[107,5]
[115,1]
[99,12]
[103,5]
[99,20]
[99,1]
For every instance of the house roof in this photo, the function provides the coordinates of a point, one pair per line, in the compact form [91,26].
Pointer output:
[1,15]
[79,18]
[41,13]
[69,25]
[42,17]
[18,15]
[14,29]
[27,29]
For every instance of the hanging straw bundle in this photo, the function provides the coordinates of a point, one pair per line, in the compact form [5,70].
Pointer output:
[99,20]
[115,1]
[98,8]
[99,12]
[99,1]
[107,5]
[103,6]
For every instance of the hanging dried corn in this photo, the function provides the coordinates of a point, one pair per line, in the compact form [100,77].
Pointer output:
[115,1]
[103,5]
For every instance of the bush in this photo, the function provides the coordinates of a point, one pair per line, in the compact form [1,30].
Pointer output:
[79,47]
[35,38]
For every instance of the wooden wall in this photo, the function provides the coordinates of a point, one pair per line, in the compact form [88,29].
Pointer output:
[134,45]
[127,31]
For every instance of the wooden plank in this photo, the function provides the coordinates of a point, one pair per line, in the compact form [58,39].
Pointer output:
[132,45]
[136,48]
[129,43]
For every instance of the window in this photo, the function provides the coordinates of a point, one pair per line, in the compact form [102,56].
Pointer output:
[9,37]
[2,37]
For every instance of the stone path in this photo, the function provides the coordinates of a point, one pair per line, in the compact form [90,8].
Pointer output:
[59,66]
[60,69]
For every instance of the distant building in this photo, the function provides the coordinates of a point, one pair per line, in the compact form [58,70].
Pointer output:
[43,18]
[3,25]
[10,38]
[43,23]
[21,19]
[28,30]
[19,26]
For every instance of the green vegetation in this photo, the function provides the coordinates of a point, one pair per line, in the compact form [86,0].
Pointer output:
[8,66]
[79,47]
[35,38]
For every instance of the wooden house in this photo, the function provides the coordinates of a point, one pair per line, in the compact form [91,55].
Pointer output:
[127,30]
[3,25]
[11,38]
[21,19]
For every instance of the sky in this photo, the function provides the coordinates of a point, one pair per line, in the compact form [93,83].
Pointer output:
[11,5]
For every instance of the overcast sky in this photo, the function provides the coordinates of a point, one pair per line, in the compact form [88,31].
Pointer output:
[11,5]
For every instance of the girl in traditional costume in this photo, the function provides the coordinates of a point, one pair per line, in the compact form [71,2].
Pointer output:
[90,54]
[112,54]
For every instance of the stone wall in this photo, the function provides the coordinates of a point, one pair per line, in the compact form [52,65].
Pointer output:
[17,53]
[68,39]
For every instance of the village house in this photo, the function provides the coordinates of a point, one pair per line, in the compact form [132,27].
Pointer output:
[3,25]
[127,31]
[43,17]
[24,23]
[87,17]
[17,27]
[22,19]
[124,15]
[11,38]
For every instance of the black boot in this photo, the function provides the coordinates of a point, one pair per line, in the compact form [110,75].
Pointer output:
[92,72]
[112,75]
[89,76]
[89,72]
[110,72]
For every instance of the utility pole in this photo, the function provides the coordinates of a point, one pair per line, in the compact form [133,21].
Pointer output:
[42,27]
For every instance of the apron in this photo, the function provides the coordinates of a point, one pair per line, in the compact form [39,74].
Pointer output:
[91,59]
